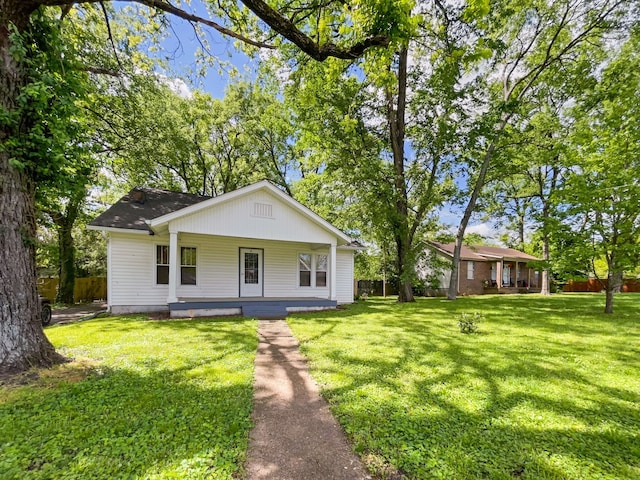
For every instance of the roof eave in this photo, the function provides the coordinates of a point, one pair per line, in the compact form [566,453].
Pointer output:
[119,230]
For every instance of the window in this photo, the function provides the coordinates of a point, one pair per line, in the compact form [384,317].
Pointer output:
[162,264]
[251,268]
[304,268]
[188,265]
[321,270]
[470,266]
[312,270]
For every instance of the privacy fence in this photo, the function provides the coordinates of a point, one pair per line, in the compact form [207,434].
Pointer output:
[86,289]
[595,285]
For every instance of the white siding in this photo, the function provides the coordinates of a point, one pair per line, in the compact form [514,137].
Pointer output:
[219,266]
[344,274]
[132,260]
[132,276]
[248,217]
[443,274]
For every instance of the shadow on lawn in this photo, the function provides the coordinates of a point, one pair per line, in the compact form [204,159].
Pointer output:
[475,413]
[122,425]
[186,419]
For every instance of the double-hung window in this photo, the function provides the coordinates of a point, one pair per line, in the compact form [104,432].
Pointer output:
[470,268]
[312,270]
[162,264]
[321,270]
[304,269]
[188,262]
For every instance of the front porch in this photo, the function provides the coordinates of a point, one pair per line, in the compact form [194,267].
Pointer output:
[510,276]
[261,307]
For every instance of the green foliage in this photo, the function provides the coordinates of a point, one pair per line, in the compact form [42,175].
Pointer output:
[551,392]
[600,199]
[47,127]
[195,143]
[145,399]
[468,322]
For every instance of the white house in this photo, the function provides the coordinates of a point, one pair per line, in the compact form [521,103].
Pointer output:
[254,251]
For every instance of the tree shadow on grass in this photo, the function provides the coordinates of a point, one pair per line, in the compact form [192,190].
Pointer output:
[434,403]
[167,400]
[123,424]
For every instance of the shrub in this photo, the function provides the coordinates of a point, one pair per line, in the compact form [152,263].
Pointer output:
[468,322]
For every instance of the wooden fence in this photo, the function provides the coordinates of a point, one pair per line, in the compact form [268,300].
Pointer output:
[86,289]
[594,285]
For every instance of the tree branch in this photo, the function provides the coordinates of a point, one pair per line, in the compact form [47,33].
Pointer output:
[291,32]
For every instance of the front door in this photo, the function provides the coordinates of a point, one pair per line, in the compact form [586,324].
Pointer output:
[506,275]
[251,272]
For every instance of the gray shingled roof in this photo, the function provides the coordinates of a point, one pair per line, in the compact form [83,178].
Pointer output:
[484,253]
[141,204]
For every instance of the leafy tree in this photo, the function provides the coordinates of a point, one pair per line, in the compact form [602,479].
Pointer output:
[601,196]
[381,131]
[38,95]
[528,42]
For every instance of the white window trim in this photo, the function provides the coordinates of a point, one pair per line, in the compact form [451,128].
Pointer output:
[470,269]
[313,269]
[179,279]
[155,265]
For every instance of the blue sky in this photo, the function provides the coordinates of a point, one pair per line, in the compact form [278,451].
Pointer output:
[183,44]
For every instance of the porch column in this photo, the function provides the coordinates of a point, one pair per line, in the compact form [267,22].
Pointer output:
[517,274]
[333,272]
[499,274]
[173,267]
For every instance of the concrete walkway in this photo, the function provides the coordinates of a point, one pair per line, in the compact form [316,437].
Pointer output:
[295,437]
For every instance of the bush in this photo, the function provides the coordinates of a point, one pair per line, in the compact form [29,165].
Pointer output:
[468,322]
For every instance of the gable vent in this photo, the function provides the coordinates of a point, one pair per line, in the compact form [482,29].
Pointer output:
[263,210]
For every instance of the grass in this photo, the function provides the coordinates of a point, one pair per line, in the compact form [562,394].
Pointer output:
[143,399]
[549,388]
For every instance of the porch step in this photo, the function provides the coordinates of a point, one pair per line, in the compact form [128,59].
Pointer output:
[264,311]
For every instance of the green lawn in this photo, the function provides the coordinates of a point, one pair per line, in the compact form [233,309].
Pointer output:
[549,388]
[149,399]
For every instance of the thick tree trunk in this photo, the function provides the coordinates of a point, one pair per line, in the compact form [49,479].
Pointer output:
[402,233]
[22,340]
[405,288]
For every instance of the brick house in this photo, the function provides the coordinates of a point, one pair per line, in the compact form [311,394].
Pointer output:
[483,269]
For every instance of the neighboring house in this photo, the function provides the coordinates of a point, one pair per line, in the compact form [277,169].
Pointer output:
[484,269]
[254,251]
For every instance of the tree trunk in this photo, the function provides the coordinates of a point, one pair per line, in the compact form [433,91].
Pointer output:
[396,119]
[22,340]
[545,286]
[612,279]
[618,281]
[471,205]
[67,273]
[405,288]
[65,222]
[608,307]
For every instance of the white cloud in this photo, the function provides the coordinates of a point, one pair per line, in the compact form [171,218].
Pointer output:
[177,86]
[484,229]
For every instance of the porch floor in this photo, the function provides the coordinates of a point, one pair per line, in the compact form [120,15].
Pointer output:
[261,307]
